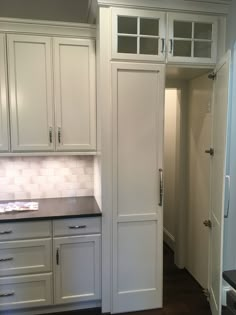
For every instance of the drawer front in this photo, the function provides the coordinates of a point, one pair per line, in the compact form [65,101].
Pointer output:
[25,230]
[25,291]
[25,257]
[76,226]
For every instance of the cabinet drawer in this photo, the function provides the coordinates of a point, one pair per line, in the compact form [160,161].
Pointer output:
[24,257]
[76,226]
[25,230]
[25,291]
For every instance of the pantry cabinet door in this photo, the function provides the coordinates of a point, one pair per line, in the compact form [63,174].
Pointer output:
[75,99]
[137,104]
[4,132]
[77,267]
[30,90]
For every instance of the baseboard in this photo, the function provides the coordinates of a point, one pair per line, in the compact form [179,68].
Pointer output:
[53,308]
[169,239]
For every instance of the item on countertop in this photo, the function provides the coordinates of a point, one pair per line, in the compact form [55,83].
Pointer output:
[18,206]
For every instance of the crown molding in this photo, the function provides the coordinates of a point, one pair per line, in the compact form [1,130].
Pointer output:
[219,7]
[51,28]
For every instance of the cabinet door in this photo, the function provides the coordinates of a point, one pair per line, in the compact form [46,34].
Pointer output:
[77,269]
[137,103]
[30,85]
[192,38]
[75,101]
[4,134]
[138,34]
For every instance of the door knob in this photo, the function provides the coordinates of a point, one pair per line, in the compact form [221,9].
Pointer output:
[210,151]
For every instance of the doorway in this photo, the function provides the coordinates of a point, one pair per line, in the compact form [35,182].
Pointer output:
[188,131]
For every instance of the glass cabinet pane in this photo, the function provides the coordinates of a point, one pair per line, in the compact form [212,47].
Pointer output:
[203,31]
[182,29]
[149,27]
[149,46]
[127,25]
[182,48]
[127,45]
[202,49]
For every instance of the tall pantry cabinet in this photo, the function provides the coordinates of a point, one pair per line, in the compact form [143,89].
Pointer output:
[135,42]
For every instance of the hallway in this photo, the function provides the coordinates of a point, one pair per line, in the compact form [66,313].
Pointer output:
[182,294]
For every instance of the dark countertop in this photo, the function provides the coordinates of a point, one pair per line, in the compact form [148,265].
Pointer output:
[230,277]
[55,208]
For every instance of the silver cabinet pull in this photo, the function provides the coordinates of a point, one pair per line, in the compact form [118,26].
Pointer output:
[5,232]
[77,227]
[7,294]
[50,135]
[161,187]
[162,45]
[6,259]
[171,46]
[59,135]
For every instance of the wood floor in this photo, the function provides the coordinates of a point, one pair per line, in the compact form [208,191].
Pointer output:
[182,294]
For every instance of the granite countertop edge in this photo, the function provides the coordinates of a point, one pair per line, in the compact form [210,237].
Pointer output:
[56,208]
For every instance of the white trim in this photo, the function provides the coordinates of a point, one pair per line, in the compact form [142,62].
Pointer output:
[169,239]
[10,154]
[177,5]
[49,28]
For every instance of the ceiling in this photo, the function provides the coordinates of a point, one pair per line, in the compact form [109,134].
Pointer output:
[55,10]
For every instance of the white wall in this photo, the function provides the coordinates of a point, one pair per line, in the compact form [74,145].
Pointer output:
[198,204]
[58,10]
[171,104]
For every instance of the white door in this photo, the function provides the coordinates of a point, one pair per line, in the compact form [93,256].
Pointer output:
[4,134]
[138,98]
[77,268]
[30,92]
[75,97]
[220,106]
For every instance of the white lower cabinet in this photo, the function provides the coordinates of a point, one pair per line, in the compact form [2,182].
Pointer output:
[77,268]
[25,291]
[46,263]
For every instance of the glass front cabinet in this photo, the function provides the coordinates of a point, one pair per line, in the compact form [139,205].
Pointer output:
[192,38]
[161,36]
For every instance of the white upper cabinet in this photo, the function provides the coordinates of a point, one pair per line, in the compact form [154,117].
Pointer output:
[165,37]
[138,34]
[75,98]
[30,91]
[192,38]
[4,134]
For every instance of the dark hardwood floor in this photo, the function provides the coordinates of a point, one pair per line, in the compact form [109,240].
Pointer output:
[182,294]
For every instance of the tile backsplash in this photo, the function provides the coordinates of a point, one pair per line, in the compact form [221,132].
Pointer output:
[45,177]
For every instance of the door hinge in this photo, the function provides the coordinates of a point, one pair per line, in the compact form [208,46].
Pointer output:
[212,76]
[207,294]
[208,223]
[57,256]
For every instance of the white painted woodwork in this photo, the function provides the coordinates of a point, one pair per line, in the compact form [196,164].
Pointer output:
[198,170]
[137,155]
[193,18]
[160,16]
[27,291]
[24,257]
[170,161]
[76,226]
[78,271]
[220,110]
[30,92]
[4,120]
[75,96]
[25,230]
